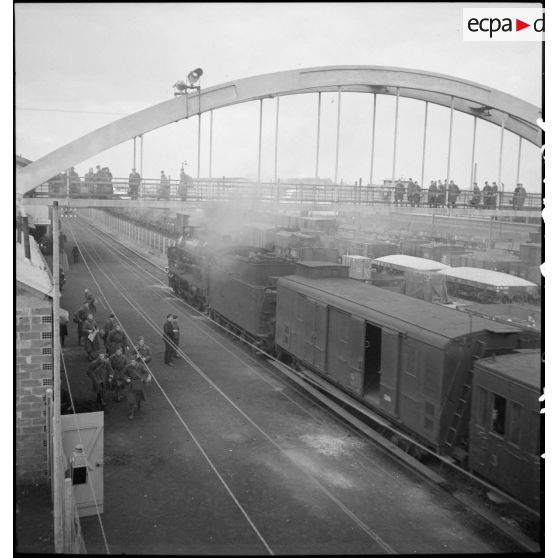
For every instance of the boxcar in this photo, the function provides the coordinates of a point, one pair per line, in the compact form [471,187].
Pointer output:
[407,358]
[505,423]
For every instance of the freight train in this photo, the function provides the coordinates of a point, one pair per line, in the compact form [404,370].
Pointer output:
[422,366]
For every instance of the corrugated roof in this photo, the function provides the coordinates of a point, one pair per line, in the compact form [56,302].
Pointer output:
[34,272]
[401,312]
[411,262]
[523,366]
[486,276]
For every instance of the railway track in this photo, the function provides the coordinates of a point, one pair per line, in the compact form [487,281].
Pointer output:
[357,416]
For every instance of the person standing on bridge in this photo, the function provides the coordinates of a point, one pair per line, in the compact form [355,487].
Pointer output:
[163,192]
[184,185]
[476,198]
[495,195]
[432,194]
[519,195]
[453,193]
[134,181]
[89,183]
[486,195]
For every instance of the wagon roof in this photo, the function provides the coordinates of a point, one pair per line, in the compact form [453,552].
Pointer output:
[486,276]
[411,262]
[395,310]
[522,366]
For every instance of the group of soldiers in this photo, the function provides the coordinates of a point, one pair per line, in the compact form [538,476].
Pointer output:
[95,183]
[117,368]
[444,194]
[184,184]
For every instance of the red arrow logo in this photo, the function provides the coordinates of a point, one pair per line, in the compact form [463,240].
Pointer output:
[519,25]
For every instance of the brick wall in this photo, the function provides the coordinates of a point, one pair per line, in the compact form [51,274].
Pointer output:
[34,375]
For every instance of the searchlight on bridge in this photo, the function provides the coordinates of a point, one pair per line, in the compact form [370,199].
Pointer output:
[182,87]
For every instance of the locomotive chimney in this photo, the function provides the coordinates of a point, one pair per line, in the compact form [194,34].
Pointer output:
[27,248]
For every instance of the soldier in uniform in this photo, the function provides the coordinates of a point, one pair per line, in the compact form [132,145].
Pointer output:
[453,193]
[432,194]
[519,195]
[75,182]
[476,197]
[442,187]
[79,318]
[163,191]
[136,375]
[134,181]
[117,381]
[411,192]
[107,328]
[91,337]
[486,195]
[143,351]
[168,338]
[89,183]
[399,193]
[494,198]
[185,181]
[116,339]
[99,371]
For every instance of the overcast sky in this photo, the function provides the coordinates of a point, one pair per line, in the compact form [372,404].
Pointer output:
[88,59]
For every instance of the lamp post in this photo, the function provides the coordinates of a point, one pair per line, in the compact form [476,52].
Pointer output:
[181,88]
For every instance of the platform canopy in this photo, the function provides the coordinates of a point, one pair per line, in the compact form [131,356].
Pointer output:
[404,262]
[486,277]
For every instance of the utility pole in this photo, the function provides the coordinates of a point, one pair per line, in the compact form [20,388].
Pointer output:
[57,473]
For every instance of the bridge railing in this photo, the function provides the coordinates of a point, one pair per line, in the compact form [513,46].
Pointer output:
[205,190]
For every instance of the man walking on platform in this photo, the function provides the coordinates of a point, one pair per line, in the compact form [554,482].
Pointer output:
[168,338]
[99,371]
[136,376]
[176,336]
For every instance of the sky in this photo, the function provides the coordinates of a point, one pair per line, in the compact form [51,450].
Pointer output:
[81,66]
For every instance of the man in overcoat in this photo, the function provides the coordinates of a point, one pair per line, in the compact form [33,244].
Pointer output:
[91,337]
[79,317]
[168,338]
[135,374]
[116,339]
[118,362]
[143,351]
[99,371]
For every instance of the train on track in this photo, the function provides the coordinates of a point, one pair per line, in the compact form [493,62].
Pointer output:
[441,376]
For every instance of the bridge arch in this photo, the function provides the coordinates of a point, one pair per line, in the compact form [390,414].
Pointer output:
[489,104]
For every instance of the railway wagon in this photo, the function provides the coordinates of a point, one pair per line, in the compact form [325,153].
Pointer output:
[505,423]
[406,358]
[242,294]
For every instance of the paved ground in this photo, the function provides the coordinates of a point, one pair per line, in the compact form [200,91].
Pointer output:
[33,519]
[226,458]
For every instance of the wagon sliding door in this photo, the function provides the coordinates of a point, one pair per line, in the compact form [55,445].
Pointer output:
[345,350]
[389,383]
[315,333]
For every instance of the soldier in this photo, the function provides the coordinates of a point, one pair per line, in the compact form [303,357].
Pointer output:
[416,197]
[75,182]
[399,193]
[134,181]
[519,195]
[117,381]
[91,337]
[411,192]
[116,339]
[79,318]
[442,193]
[90,301]
[98,181]
[143,351]
[486,195]
[185,182]
[168,338]
[107,328]
[99,371]
[432,194]
[89,183]
[494,197]
[453,193]
[176,336]
[136,375]
[163,191]
[476,197]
